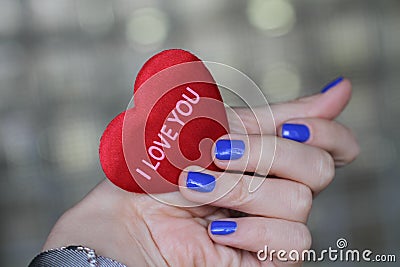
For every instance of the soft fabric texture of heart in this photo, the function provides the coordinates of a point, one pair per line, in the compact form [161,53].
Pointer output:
[122,155]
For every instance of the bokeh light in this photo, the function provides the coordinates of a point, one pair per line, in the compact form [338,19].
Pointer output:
[147,27]
[280,82]
[275,17]
[75,146]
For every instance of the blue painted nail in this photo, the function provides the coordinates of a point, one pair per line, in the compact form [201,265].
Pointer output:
[223,227]
[200,182]
[332,84]
[296,132]
[229,149]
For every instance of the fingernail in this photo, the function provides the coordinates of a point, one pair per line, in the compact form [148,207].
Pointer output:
[332,84]
[223,227]
[229,149]
[296,132]
[200,182]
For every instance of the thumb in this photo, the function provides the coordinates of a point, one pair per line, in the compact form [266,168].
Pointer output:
[325,105]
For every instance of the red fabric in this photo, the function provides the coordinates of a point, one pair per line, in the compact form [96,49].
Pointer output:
[111,150]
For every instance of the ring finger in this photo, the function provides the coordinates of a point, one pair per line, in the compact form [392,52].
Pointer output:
[277,198]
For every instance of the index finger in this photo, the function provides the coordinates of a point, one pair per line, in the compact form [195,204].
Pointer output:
[327,105]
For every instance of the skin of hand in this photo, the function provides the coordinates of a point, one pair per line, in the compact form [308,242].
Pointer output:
[137,230]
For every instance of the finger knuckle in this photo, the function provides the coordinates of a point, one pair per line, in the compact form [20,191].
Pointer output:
[263,151]
[353,147]
[303,236]
[325,169]
[239,196]
[354,152]
[302,200]
[281,154]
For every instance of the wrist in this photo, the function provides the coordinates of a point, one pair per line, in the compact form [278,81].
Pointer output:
[99,222]
[72,256]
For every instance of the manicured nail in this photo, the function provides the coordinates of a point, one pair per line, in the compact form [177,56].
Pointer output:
[229,149]
[296,132]
[332,84]
[223,227]
[200,182]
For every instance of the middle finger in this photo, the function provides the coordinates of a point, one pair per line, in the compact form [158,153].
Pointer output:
[271,155]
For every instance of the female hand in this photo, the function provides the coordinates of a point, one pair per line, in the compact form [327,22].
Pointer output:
[137,230]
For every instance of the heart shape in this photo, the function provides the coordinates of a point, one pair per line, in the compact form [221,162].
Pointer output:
[178,114]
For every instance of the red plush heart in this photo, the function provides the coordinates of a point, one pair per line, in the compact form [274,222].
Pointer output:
[178,108]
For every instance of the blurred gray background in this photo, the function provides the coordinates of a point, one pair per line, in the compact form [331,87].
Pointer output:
[67,68]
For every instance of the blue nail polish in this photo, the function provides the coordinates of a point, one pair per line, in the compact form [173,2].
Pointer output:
[223,227]
[229,149]
[332,84]
[296,132]
[200,182]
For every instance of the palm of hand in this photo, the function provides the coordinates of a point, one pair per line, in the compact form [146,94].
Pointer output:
[138,230]
[180,236]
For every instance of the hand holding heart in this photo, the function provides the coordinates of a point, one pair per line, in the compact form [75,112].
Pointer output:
[177,106]
[137,230]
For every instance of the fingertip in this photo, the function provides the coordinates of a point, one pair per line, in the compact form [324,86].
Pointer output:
[224,231]
[348,88]
[182,180]
[222,227]
[214,146]
[347,83]
[332,84]
[326,105]
[230,150]
[197,179]
[330,103]
[341,86]
[295,130]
